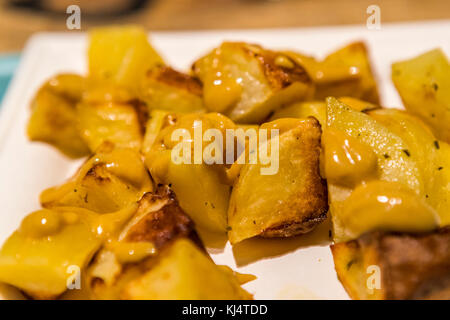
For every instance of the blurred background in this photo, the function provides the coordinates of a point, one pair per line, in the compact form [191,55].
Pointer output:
[19,19]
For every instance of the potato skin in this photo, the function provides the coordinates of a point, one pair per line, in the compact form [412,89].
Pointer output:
[413,266]
[253,81]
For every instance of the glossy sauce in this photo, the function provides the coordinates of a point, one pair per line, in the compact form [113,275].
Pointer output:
[160,155]
[345,160]
[382,205]
[221,90]
[124,164]
[41,223]
[128,252]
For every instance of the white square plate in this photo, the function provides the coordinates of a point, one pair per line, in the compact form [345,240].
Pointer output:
[298,268]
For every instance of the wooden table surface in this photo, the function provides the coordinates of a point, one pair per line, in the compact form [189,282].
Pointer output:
[17,24]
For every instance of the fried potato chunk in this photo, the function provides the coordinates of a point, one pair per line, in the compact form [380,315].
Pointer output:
[381,265]
[112,122]
[247,82]
[183,272]
[160,220]
[178,267]
[406,168]
[164,88]
[290,202]
[53,115]
[112,179]
[424,86]
[345,72]
[199,187]
[36,258]
[157,223]
[121,55]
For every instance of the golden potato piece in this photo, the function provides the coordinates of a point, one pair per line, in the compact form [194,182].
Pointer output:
[393,162]
[113,122]
[289,202]
[109,181]
[247,82]
[53,116]
[166,89]
[201,193]
[37,258]
[200,188]
[431,155]
[345,72]
[424,86]
[120,54]
[406,187]
[388,266]
[157,223]
[160,220]
[316,109]
[183,272]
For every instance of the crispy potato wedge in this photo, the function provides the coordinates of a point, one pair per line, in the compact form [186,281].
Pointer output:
[201,193]
[157,223]
[53,116]
[387,265]
[180,268]
[112,179]
[289,202]
[160,220]
[37,257]
[200,188]
[424,86]
[164,88]
[393,165]
[113,122]
[410,166]
[431,155]
[183,272]
[345,72]
[120,54]
[247,82]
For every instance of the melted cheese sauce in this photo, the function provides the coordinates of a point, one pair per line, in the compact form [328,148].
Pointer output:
[345,160]
[382,205]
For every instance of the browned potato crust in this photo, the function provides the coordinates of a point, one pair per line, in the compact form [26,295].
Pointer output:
[278,76]
[412,266]
[290,202]
[247,82]
[164,88]
[176,79]
[158,220]
[161,226]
